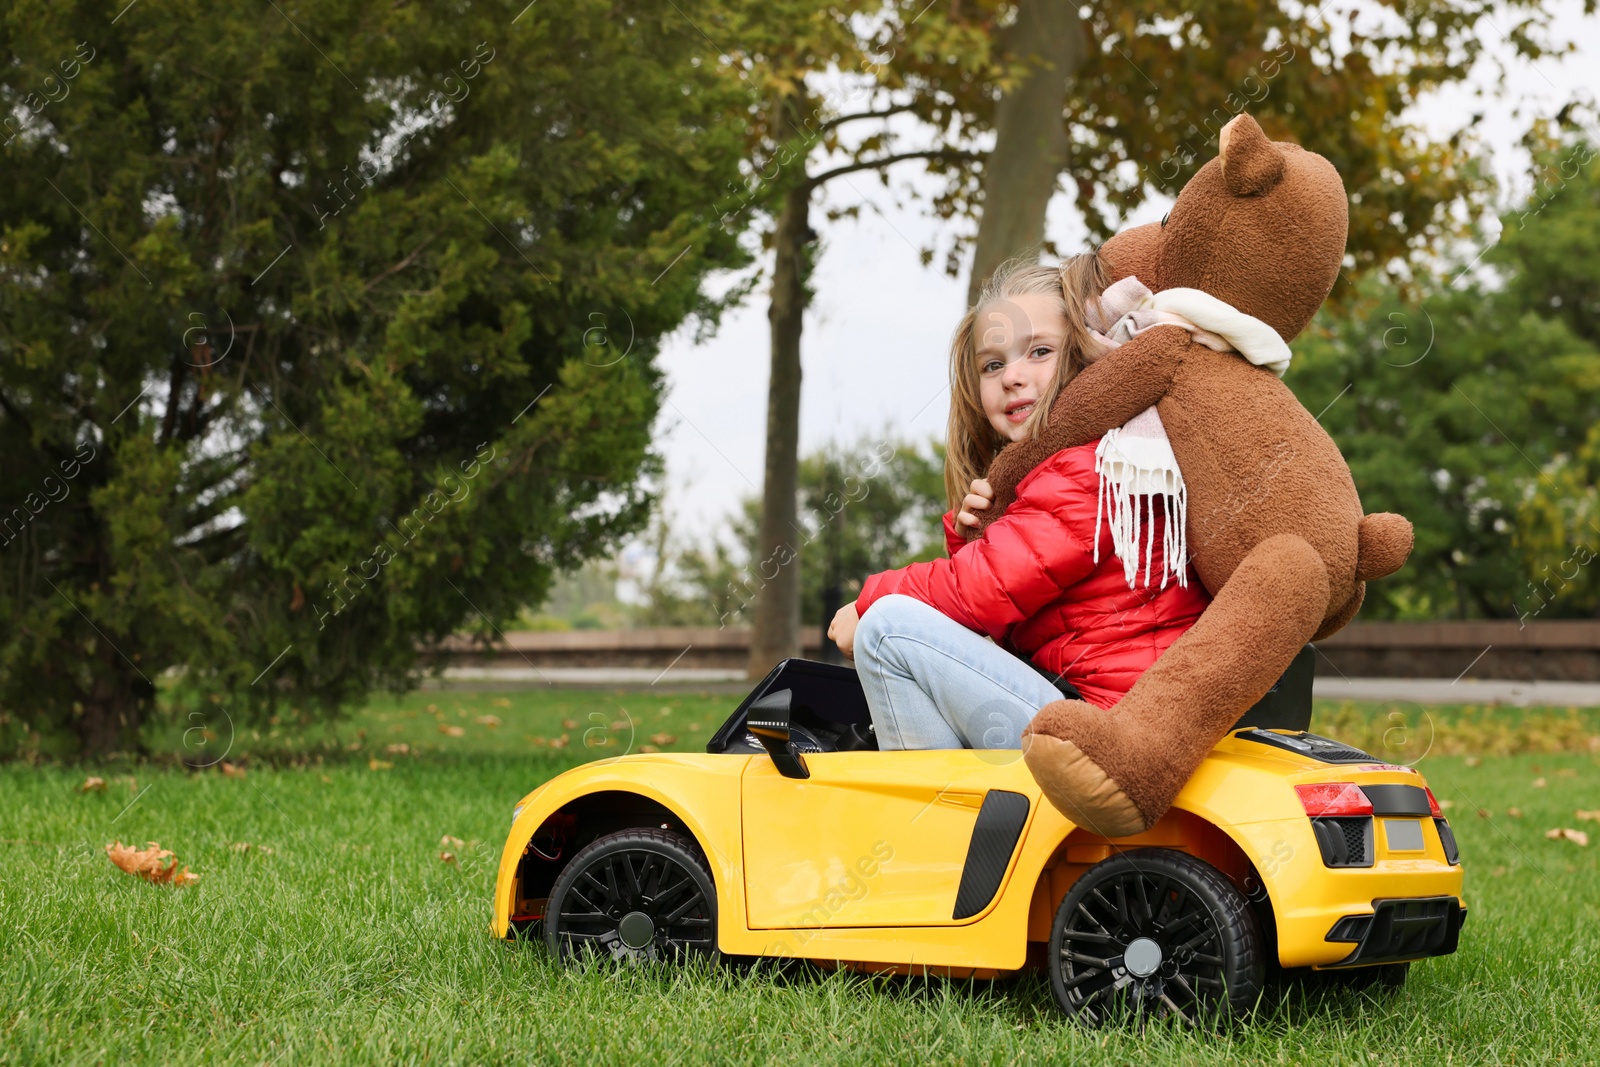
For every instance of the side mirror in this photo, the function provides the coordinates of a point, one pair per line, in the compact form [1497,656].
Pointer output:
[768,719]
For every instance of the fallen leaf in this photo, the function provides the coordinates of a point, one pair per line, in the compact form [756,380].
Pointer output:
[1483,814]
[1515,813]
[501,702]
[451,842]
[326,780]
[354,746]
[92,784]
[569,724]
[447,857]
[648,748]
[1566,772]
[231,771]
[451,731]
[491,721]
[1566,833]
[1446,805]
[1587,816]
[622,724]
[1473,761]
[537,742]
[1538,783]
[399,749]
[376,764]
[433,708]
[245,846]
[662,739]
[559,742]
[694,727]
[147,863]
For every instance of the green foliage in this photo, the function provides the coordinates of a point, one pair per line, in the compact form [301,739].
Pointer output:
[1161,83]
[1470,410]
[865,507]
[342,318]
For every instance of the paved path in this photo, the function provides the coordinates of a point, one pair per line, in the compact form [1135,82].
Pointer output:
[1416,690]
[1465,691]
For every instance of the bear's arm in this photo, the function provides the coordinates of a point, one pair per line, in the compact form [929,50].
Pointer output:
[1119,385]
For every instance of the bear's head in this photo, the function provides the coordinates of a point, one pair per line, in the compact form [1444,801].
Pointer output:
[1261,227]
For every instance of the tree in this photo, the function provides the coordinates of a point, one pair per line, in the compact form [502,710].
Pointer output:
[1031,146]
[326,329]
[1142,103]
[1550,258]
[1470,409]
[1109,82]
[867,506]
[896,58]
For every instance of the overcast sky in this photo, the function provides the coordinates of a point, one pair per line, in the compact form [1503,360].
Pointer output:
[875,349]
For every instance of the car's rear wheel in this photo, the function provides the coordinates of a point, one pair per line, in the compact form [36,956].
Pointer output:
[634,895]
[1155,933]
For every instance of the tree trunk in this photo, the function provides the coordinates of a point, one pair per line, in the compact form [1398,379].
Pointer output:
[775,571]
[113,708]
[1030,145]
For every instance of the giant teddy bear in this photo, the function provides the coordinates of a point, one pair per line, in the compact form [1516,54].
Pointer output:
[1275,529]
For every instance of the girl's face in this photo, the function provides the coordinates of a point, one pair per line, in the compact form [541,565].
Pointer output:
[1019,341]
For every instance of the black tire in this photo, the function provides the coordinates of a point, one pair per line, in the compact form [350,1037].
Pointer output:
[1198,943]
[634,895]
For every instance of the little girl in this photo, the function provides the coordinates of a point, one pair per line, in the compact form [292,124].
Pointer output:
[1044,580]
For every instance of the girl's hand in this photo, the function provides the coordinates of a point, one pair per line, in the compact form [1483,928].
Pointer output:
[979,497]
[842,630]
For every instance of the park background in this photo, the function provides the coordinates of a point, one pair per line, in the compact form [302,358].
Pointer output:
[340,344]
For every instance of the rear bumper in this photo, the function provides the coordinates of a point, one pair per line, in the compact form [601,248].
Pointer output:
[1404,928]
[1364,906]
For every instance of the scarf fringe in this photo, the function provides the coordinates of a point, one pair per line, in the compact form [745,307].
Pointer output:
[1123,484]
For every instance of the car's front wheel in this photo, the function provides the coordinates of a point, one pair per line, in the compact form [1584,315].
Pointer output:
[634,895]
[1155,933]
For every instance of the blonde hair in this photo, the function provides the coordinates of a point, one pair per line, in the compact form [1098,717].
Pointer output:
[971,441]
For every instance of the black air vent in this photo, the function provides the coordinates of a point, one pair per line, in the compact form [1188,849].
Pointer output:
[1345,841]
[1322,749]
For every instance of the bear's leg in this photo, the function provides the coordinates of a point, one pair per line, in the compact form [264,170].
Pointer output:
[1116,771]
[1342,617]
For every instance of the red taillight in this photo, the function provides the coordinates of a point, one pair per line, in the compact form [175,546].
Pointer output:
[1333,798]
[1433,803]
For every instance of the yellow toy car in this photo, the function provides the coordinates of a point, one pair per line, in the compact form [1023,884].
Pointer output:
[793,836]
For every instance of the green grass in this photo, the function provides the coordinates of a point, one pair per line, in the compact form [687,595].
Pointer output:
[352,941]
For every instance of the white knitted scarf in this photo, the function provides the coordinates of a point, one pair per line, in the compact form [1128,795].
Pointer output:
[1135,461]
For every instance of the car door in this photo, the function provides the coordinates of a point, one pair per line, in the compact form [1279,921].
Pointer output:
[881,838]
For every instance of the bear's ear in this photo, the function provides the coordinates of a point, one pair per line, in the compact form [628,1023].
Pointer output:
[1251,164]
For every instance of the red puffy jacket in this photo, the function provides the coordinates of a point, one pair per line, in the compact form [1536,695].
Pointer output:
[1031,583]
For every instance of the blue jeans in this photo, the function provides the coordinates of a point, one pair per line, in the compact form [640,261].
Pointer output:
[933,683]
